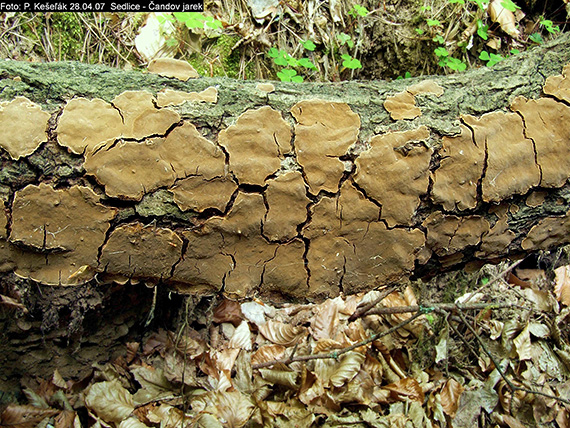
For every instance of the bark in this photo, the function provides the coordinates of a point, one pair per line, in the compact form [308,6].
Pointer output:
[302,191]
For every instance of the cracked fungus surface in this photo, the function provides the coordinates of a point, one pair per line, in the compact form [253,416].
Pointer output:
[264,209]
[59,233]
[23,127]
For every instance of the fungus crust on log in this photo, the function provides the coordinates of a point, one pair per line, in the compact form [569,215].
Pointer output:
[176,68]
[171,97]
[85,124]
[256,144]
[197,194]
[23,126]
[130,169]
[496,241]
[3,223]
[61,232]
[135,250]
[324,132]
[450,234]
[511,167]
[460,169]
[287,206]
[140,117]
[285,273]
[543,119]
[395,173]
[549,231]
[559,86]
[402,106]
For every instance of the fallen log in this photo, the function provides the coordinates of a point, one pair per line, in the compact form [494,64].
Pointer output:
[281,191]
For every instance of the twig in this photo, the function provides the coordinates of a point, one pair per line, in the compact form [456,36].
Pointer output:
[449,307]
[365,308]
[495,279]
[336,354]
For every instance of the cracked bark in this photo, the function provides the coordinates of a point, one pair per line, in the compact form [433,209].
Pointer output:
[342,243]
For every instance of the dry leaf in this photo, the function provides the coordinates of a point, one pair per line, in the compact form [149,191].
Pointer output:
[241,339]
[286,378]
[450,395]
[325,322]
[562,286]
[228,311]
[231,407]
[523,344]
[407,388]
[168,416]
[25,416]
[281,333]
[348,368]
[110,401]
[268,353]
[132,422]
[504,17]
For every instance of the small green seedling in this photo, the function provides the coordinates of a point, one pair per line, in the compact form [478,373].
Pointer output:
[482,30]
[306,62]
[420,31]
[357,11]
[515,51]
[456,64]
[407,75]
[309,45]
[343,39]
[289,75]
[483,4]
[433,22]
[509,5]
[194,20]
[439,39]
[536,38]
[350,62]
[549,26]
[491,59]
[457,1]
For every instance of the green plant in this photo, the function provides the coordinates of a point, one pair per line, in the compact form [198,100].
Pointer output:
[433,22]
[549,26]
[344,38]
[357,11]
[482,30]
[536,38]
[407,75]
[289,75]
[445,60]
[350,62]
[509,5]
[491,58]
[283,59]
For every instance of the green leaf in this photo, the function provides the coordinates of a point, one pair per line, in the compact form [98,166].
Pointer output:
[482,30]
[509,5]
[484,281]
[433,22]
[482,4]
[407,75]
[484,55]
[306,62]
[171,42]
[291,61]
[439,39]
[515,51]
[549,25]
[286,74]
[297,79]
[419,31]
[350,62]
[456,64]
[342,38]
[358,10]
[536,38]
[309,45]
[457,1]
[273,52]
[441,52]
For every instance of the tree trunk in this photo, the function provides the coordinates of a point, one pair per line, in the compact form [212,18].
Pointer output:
[111,180]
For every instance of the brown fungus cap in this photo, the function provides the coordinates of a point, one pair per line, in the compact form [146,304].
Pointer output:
[460,169]
[130,169]
[395,173]
[546,123]
[402,106]
[141,118]
[198,194]
[324,132]
[134,250]
[287,206]
[547,233]
[85,124]
[511,167]
[170,97]
[256,144]
[23,127]
[61,231]
[559,86]
[175,68]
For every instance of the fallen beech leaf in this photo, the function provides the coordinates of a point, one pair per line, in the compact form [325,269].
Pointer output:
[450,395]
[241,339]
[286,378]
[67,419]
[268,353]
[325,322]
[523,344]
[153,384]
[132,422]
[325,345]
[504,17]
[281,333]
[407,388]
[232,408]
[349,367]
[166,415]
[25,416]
[110,401]
[228,311]
[562,286]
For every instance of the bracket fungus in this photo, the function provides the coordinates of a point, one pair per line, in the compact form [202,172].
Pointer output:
[61,230]
[170,97]
[23,127]
[198,194]
[176,68]
[559,86]
[511,166]
[548,232]
[134,250]
[395,173]
[130,169]
[256,144]
[403,104]
[324,132]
